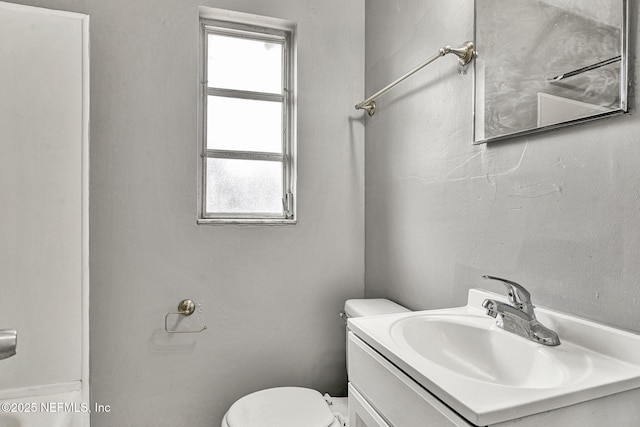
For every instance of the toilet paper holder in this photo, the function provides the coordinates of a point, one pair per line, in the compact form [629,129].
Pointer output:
[186,308]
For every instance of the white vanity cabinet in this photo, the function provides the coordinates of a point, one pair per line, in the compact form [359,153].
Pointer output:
[375,384]
[382,395]
[361,414]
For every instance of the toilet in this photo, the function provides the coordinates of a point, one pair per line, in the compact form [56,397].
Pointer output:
[299,406]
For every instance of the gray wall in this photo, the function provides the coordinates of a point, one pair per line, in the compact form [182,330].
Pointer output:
[270,295]
[558,212]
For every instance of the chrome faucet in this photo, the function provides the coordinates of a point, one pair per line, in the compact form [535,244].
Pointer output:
[518,316]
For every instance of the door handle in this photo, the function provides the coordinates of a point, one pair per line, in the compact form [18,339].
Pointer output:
[8,343]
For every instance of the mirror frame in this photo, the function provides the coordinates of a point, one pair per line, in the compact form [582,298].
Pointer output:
[624,84]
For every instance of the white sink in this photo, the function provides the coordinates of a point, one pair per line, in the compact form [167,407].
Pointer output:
[489,375]
[471,346]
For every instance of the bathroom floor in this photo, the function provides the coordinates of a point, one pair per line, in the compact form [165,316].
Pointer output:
[339,407]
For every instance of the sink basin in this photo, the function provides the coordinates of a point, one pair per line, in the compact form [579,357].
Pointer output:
[489,375]
[472,346]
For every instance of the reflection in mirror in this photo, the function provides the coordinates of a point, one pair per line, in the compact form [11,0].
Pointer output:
[547,63]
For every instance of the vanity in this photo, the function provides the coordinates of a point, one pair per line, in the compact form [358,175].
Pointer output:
[457,367]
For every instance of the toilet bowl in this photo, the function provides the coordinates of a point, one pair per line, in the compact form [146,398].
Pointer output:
[298,406]
[282,407]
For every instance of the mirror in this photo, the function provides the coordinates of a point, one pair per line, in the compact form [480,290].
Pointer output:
[542,64]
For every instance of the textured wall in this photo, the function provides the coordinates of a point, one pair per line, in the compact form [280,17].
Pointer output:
[558,212]
[270,295]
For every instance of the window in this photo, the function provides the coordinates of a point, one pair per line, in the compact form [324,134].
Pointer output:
[247,169]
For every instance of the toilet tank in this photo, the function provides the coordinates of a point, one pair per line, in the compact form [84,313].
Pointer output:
[371,307]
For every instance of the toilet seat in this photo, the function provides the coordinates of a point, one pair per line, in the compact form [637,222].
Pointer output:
[282,407]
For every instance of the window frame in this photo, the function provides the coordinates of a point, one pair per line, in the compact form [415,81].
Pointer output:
[250,31]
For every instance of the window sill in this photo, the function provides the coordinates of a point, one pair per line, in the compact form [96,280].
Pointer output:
[246,221]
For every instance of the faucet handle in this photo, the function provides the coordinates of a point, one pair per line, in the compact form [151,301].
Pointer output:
[518,295]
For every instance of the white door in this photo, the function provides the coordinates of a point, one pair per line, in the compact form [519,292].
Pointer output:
[43,199]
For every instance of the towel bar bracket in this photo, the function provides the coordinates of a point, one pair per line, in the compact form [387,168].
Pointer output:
[465,54]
